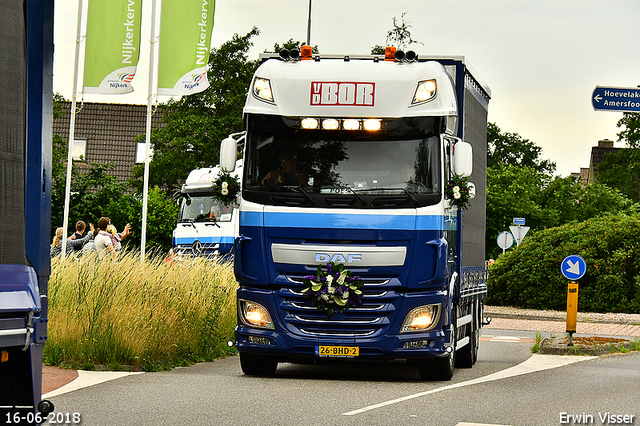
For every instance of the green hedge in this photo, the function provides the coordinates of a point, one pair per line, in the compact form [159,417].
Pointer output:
[529,276]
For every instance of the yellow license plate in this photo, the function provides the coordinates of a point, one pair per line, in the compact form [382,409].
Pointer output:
[338,351]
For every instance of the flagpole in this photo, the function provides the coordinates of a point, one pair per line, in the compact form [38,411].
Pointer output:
[145,190]
[309,26]
[72,129]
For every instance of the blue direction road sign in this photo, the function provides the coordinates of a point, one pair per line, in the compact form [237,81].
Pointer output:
[616,99]
[573,267]
[518,220]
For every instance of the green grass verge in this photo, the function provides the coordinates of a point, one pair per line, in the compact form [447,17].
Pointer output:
[124,314]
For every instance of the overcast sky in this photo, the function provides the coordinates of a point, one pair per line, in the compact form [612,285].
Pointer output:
[541,59]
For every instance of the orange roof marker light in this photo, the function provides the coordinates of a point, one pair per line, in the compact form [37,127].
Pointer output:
[306,52]
[390,53]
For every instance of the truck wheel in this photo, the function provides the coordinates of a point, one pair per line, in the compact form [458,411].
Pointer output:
[256,365]
[439,368]
[468,355]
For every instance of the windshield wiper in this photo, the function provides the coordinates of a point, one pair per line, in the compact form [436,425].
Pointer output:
[358,196]
[213,222]
[299,188]
[190,222]
[407,193]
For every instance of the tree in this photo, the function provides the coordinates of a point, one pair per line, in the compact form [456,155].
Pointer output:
[195,124]
[631,132]
[399,36]
[621,170]
[291,44]
[96,193]
[92,187]
[520,184]
[513,149]
[528,276]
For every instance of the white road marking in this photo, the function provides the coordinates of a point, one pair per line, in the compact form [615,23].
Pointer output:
[537,362]
[86,379]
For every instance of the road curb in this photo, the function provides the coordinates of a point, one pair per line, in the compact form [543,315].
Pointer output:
[591,345]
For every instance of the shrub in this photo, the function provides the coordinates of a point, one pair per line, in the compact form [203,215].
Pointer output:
[529,276]
[150,315]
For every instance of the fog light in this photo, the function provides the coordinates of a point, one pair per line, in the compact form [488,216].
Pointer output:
[421,319]
[255,315]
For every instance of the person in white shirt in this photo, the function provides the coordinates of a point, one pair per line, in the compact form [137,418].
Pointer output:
[103,241]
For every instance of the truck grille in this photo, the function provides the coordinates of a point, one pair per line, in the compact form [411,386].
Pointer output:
[197,249]
[372,317]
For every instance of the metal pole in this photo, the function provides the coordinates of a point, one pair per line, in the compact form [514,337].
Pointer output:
[150,97]
[72,129]
[309,26]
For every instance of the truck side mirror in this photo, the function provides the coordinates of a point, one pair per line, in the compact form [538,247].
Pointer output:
[228,154]
[462,159]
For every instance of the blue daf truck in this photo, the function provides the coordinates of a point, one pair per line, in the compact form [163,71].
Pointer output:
[26,58]
[356,171]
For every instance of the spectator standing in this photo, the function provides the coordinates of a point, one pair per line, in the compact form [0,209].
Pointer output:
[80,228]
[117,237]
[56,246]
[103,241]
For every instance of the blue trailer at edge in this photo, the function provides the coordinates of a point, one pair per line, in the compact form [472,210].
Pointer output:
[26,69]
[347,159]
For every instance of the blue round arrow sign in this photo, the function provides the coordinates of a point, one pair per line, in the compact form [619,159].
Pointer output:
[573,267]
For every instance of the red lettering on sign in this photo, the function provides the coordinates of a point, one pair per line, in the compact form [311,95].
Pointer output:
[342,93]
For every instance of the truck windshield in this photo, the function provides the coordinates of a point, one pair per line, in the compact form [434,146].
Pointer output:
[401,163]
[203,208]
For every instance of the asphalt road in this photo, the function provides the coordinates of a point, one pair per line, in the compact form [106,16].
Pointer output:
[537,392]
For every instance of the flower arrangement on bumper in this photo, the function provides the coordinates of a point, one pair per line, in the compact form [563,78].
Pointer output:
[334,290]
[225,188]
[460,191]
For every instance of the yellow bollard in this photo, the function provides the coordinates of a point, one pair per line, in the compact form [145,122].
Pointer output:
[572,310]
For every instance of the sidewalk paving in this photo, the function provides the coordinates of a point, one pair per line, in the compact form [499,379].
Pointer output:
[594,324]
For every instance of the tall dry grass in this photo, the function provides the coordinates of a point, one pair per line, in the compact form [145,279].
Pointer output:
[123,313]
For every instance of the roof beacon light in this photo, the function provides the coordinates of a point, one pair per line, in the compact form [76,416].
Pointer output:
[306,52]
[390,53]
[425,91]
[372,124]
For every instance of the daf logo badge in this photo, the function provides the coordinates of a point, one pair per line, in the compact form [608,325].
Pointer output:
[196,248]
[338,257]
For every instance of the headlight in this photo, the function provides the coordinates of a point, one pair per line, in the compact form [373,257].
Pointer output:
[262,89]
[255,315]
[425,91]
[421,319]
